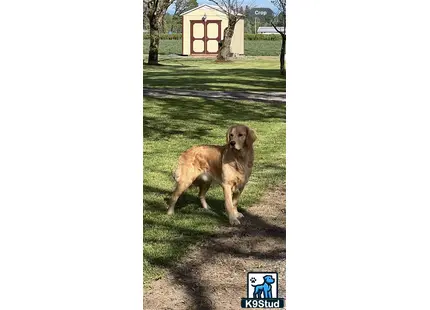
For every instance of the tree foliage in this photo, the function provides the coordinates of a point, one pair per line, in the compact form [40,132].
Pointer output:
[181,6]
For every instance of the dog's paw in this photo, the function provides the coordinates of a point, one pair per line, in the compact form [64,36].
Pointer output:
[234,221]
[207,207]
[170,211]
[239,215]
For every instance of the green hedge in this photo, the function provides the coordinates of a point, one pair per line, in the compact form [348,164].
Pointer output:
[260,37]
[248,36]
[165,36]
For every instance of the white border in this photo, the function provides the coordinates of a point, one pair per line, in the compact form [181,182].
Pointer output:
[358,155]
[71,155]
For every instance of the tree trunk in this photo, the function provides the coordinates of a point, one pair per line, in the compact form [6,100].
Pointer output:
[224,51]
[154,42]
[282,57]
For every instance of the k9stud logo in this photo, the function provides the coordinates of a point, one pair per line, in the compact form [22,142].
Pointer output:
[262,291]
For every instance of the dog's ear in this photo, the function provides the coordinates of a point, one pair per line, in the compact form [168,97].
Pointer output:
[250,137]
[227,136]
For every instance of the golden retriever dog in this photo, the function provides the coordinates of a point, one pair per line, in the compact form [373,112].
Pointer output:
[229,165]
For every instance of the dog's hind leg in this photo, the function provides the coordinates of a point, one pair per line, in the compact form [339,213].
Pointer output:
[203,188]
[184,176]
[179,189]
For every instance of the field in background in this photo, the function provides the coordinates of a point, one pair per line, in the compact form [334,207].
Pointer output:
[252,47]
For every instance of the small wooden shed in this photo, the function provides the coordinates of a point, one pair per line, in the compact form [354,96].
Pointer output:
[203,28]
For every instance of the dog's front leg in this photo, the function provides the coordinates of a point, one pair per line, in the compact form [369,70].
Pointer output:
[229,208]
[235,199]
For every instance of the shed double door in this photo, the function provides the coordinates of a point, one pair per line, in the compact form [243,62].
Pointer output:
[205,36]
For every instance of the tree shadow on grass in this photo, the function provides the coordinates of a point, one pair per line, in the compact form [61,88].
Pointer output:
[174,115]
[160,205]
[169,66]
[216,79]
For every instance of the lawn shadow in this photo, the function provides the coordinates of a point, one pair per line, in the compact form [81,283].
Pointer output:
[176,65]
[216,79]
[181,235]
[175,112]
[216,209]
[261,97]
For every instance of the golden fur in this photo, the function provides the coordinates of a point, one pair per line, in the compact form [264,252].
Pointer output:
[229,165]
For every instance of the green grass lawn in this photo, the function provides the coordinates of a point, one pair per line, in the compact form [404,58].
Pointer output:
[252,47]
[171,125]
[262,48]
[249,73]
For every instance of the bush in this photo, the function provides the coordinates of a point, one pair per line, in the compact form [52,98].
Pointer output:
[263,37]
[165,36]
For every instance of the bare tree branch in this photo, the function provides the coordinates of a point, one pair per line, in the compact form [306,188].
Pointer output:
[232,8]
[276,28]
[282,10]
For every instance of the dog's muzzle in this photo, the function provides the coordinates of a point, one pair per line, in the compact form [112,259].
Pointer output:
[234,146]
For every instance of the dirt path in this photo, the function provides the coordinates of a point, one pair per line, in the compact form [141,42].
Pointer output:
[266,97]
[213,275]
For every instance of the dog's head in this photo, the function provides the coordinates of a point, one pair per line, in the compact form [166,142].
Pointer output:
[240,137]
[269,279]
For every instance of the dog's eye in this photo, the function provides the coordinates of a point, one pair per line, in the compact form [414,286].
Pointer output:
[240,135]
[231,135]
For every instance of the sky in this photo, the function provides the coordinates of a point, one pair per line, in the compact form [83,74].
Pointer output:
[256,3]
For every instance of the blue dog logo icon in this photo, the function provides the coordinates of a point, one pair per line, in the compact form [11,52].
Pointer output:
[262,291]
[264,288]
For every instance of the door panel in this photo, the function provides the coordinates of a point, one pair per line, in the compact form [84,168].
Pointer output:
[198,31]
[213,36]
[212,30]
[205,36]
[197,37]
[198,46]
[211,46]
